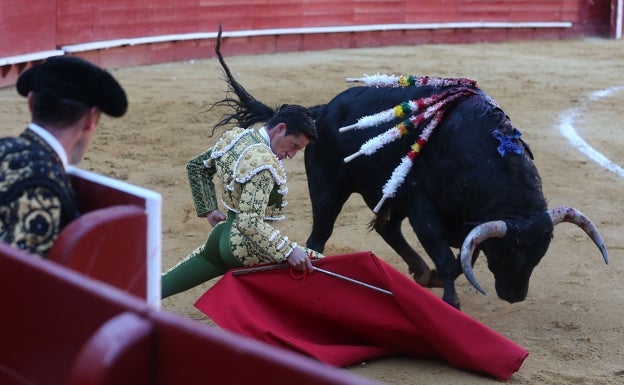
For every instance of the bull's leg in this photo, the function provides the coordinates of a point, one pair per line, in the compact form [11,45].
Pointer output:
[391,233]
[326,205]
[323,221]
[430,232]
[325,182]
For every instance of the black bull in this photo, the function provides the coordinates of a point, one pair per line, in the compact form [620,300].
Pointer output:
[473,186]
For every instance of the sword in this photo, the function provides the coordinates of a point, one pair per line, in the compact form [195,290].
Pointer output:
[352,280]
[279,266]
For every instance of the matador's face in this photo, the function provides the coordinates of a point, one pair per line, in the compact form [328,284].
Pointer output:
[286,146]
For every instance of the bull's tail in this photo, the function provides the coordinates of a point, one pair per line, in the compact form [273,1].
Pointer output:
[380,220]
[247,110]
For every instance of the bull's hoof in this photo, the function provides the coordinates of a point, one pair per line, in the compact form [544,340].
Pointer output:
[430,278]
[452,300]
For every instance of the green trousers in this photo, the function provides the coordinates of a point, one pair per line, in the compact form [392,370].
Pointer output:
[208,261]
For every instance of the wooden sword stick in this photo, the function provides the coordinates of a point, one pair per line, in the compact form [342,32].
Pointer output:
[352,280]
[280,266]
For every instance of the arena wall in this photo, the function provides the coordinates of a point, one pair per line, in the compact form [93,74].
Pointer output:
[118,33]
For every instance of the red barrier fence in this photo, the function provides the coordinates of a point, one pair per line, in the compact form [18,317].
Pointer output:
[61,327]
[121,32]
[118,238]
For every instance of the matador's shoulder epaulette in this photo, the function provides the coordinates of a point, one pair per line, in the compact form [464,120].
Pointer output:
[250,153]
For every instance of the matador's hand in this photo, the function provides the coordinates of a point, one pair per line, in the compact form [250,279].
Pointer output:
[299,260]
[215,217]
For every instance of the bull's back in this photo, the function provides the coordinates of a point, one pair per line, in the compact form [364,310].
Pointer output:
[475,169]
[460,168]
[354,103]
[325,156]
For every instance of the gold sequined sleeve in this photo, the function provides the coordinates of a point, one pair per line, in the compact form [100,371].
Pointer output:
[200,173]
[259,234]
[37,219]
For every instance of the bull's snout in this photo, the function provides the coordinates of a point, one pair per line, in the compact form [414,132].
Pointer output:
[512,295]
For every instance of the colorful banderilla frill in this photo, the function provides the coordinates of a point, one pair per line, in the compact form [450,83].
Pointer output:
[383,80]
[432,102]
[435,106]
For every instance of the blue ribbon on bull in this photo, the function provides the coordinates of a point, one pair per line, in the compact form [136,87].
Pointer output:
[508,141]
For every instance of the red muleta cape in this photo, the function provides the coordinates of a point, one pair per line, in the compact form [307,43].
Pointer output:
[342,323]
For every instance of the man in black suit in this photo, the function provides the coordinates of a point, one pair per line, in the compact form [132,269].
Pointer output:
[66,96]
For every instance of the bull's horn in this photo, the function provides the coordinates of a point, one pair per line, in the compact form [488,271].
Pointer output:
[493,229]
[572,215]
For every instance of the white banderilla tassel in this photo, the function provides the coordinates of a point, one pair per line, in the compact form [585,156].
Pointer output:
[373,144]
[397,178]
[373,120]
[379,80]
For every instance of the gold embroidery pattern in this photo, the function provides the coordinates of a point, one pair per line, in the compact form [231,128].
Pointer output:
[202,187]
[252,184]
[36,199]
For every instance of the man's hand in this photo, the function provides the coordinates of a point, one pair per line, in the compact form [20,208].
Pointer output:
[215,217]
[299,260]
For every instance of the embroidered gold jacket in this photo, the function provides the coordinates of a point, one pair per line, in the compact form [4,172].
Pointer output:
[36,197]
[252,183]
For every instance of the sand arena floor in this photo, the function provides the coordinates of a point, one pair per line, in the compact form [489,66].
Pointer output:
[571,322]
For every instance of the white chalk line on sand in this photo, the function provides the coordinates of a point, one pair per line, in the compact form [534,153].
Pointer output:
[566,127]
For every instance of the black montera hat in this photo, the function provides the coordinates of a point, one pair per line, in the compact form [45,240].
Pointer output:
[71,77]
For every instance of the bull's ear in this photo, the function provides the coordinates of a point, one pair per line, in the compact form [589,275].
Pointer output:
[542,224]
[514,232]
[541,233]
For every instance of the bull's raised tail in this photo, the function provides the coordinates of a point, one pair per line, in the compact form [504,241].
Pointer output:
[248,110]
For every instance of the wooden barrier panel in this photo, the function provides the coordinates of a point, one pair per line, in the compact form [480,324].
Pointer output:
[107,244]
[61,327]
[117,353]
[49,311]
[134,33]
[27,27]
[120,245]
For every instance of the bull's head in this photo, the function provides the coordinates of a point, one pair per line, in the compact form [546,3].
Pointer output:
[513,257]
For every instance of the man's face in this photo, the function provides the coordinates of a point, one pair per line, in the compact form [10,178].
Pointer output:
[286,146]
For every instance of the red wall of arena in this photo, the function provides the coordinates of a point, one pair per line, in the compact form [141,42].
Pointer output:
[37,29]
